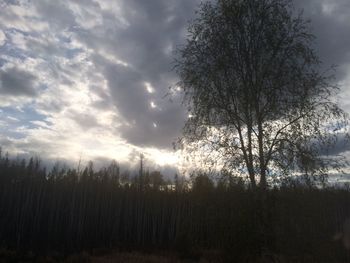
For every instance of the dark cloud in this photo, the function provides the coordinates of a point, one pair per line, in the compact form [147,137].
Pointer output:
[56,13]
[146,43]
[340,147]
[17,82]
[133,103]
[330,23]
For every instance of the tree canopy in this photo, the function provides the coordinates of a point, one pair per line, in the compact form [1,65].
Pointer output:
[259,103]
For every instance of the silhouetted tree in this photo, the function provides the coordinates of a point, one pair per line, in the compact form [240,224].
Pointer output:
[257,99]
[202,183]
[156,180]
[113,172]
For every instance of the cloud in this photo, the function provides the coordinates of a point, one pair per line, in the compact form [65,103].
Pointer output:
[330,23]
[341,146]
[89,71]
[145,42]
[2,38]
[129,44]
[16,82]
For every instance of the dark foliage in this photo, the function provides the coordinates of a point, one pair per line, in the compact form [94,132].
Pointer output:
[69,211]
[259,101]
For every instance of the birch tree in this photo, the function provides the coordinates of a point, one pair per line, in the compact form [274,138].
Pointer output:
[259,102]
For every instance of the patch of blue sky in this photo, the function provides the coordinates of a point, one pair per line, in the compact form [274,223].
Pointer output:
[11,33]
[335,126]
[12,2]
[12,133]
[25,117]
[13,51]
[11,30]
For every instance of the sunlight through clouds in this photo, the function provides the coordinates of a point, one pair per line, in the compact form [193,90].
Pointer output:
[149,87]
[93,78]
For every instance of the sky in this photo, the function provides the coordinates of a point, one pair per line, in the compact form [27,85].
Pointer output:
[88,79]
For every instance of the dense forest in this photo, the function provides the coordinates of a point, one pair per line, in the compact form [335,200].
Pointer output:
[72,210]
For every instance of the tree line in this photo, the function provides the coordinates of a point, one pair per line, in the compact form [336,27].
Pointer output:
[68,210]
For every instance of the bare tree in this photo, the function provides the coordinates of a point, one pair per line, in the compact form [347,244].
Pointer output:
[258,102]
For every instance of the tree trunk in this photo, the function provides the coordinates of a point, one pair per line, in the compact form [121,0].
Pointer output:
[262,166]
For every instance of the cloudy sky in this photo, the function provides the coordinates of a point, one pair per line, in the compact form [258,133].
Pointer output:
[87,78]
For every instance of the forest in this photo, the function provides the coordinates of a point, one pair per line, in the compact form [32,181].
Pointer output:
[263,128]
[67,211]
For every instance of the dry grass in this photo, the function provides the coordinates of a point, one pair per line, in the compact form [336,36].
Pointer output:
[210,256]
[137,257]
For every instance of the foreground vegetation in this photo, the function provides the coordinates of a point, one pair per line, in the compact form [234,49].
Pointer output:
[67,211]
